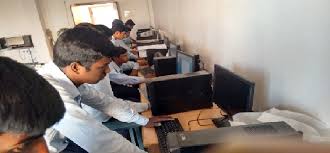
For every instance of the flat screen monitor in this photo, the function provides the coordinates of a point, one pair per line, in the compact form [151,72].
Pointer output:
[185,63]
[231,92]
[180,92]
[173,49]
[151,53]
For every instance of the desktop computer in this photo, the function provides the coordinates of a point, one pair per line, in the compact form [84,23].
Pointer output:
[187,63]
[151,54]
[180,92]
[231,92]
[164,65]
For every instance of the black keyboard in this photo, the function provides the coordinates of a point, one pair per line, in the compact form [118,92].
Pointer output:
[260,129]
[167,127]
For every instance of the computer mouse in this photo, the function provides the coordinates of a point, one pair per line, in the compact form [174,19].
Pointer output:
[158,124]
[221,122]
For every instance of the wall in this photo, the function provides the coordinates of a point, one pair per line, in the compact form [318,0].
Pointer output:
[21,17]
[57,14]
[282,45]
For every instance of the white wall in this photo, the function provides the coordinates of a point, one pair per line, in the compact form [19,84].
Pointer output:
[282,45]
[21,17]
[57,14]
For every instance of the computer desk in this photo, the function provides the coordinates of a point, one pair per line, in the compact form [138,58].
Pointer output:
[188,120]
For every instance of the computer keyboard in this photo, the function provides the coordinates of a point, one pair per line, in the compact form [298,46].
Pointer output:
[162,131]
[260,129]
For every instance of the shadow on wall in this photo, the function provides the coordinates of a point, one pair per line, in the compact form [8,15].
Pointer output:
[261,79]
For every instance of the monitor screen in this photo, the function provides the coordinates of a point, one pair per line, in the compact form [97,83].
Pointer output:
[231,92]
[172,50]
[180,92]
[185,63]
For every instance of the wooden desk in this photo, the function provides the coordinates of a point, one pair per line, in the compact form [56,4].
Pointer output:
[188,120]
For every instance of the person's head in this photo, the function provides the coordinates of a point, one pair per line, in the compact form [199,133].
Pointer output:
[119,32]
[128,31]
[85,24]
[104,30]
[130,24]
[116,22]
[59,32]
[83,55]
[120,55]
[28,106]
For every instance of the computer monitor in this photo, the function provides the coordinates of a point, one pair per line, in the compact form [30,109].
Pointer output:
[165,65]
[173,49]
[152,52]
[187,63]
[180,92]
[231,92]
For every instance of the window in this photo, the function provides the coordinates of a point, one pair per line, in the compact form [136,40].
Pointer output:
[98,13]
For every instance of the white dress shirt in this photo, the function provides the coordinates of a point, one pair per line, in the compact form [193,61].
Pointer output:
[121,43]
[105,87]
[117,76]
[78,126]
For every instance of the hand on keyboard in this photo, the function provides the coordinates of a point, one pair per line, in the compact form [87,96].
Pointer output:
[154,121]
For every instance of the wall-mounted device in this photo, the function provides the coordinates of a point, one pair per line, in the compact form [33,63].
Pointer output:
[17,42]
[2,43]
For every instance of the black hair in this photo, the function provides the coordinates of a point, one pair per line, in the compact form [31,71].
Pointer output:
[116,22]
[82,45]
[127,29]
[59,32]
[28,103]
[130,22]
[104,30]
[119,28]
[85,24]
[118,51]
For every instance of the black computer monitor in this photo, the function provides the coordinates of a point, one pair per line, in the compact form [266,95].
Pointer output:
[180,92]
[231,92]
[152,52]
[165,65]
[186,63]
[173,49]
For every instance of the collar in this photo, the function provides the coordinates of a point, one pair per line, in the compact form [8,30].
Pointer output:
[52,71]
[115,67]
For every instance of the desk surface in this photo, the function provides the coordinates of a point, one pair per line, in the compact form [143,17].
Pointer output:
[188,121]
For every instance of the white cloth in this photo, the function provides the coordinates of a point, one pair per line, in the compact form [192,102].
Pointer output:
[313,129]
[78,126]
[105,87]
[117,76]
[121,43]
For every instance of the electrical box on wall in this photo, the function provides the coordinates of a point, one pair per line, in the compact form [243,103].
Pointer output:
[2,43]
[16,42]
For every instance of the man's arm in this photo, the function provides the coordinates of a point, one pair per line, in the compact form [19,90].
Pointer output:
[116,108]
[134,66]
[124,79]
[92,135]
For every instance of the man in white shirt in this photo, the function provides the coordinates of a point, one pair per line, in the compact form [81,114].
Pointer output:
[129,24]
[123,76]
[119,33]
[80,56]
